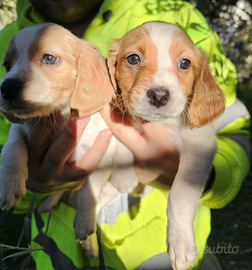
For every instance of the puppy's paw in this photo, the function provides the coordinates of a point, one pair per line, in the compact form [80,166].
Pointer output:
[12,190]
[90,246]
[181,248]
[83,228]
[125,182]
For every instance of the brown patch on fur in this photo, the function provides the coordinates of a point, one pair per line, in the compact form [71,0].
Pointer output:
[182,47]
[133,79]
[93,88]
[208,102]
[205,98]
[80,74]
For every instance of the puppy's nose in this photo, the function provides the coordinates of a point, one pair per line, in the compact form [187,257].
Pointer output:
[11,88]
[158,97]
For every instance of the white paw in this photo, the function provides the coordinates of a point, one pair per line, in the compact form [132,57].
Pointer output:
[12,190]
[83,228]
[181,248]
[90,246]
[126,181]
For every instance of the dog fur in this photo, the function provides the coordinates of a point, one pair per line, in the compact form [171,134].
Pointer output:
[161,76]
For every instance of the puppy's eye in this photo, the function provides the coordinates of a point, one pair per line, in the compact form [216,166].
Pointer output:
[184,64]
[7,67]
[50,59]
[133,59]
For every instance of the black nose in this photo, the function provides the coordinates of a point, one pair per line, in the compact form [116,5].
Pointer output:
[158,97]
[11,88]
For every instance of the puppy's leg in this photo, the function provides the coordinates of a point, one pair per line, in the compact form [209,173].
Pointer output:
[109,192]
[90,246]
[50,202]
[195,164]
[13,170]
[124,177]
[85,219]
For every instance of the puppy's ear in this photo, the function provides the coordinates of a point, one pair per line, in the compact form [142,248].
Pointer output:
[93,88]
[207,102]
[112,63]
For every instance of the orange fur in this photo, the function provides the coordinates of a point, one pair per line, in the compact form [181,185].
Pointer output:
[80,75]
[205,99]
[182,47]
[138,42]
[93,88]
[208,101]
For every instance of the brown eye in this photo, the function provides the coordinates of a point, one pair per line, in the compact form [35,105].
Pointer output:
[184,64]
[50,59]
[133,59]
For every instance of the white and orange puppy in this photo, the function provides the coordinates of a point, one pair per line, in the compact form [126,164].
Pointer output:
[49,69]
[161,76]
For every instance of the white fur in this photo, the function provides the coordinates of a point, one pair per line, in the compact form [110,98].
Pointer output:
[197,148]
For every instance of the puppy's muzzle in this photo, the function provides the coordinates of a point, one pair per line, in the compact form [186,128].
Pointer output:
[158,97]
[11,88]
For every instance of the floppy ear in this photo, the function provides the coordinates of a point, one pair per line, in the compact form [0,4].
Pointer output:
[93,88]
[112,63]
[207,102]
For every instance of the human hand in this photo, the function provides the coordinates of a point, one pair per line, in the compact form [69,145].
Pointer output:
[156,158]
[47,162]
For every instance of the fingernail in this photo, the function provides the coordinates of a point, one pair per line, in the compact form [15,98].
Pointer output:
[107,135]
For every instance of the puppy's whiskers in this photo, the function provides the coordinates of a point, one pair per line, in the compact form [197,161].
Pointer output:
[185,114]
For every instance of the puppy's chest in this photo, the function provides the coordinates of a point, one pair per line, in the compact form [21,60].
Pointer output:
[181,135]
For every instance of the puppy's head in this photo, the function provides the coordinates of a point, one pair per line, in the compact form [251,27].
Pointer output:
[46,68]
[159,73]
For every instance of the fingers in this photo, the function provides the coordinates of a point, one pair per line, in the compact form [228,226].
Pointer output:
[91,159]
[124,132]
[151,139]
[94,155]
[62,148]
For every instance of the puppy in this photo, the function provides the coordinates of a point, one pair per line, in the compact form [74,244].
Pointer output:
[161,76]
[49,69]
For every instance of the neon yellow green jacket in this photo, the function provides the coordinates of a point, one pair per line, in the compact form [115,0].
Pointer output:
[124,237]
